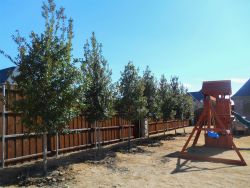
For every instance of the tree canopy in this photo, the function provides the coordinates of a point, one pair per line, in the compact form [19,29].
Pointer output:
[132,103]
[150,92]
[46,78]
[97,96]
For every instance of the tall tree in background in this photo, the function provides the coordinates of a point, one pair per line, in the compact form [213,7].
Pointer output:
[131,102]
[97,96]
[150,92]
[166,99]
[182,101]
[184,106]
[46,78]
[175,96]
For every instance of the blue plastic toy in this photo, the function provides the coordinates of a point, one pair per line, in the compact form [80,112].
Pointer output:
[213,134]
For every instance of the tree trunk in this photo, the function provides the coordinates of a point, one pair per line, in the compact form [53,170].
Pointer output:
[45,154]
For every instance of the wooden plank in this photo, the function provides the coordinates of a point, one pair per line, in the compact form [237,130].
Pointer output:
[85,135]
[79,125]
[10,143]
[81,137]
[66,141]
[18,130]
[71,136]
[61,141]
[89,141]
[32,143]
[26,146]
[39,144]
[74,121]
[52,142]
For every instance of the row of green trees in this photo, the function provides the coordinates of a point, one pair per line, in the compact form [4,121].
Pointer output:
[138,97]
[54,89]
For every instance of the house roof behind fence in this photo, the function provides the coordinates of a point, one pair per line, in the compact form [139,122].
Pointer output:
[244,90]
[197,95]
[5,74]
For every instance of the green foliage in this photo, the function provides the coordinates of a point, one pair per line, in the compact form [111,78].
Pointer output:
[184,104]
[150,92]
[97,97]
[47,77]
[174,101]
[131,102]
[167,100]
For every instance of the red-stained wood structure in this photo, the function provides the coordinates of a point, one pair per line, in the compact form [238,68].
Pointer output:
[216,116]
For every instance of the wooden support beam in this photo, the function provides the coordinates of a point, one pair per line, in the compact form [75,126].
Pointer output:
[193,131]
[239,154]
[197,135]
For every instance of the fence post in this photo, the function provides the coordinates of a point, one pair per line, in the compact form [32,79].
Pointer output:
[4,125]
[144,127]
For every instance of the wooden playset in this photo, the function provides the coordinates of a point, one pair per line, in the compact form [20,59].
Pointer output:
[216,122]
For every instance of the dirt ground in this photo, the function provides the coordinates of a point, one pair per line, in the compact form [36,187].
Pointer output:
[152,163]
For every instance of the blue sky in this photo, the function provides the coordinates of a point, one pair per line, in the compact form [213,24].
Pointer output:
[195,40]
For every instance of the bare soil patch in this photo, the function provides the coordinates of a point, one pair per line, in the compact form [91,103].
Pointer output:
[148,163]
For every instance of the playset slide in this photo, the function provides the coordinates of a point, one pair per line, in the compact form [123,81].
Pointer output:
[241,119]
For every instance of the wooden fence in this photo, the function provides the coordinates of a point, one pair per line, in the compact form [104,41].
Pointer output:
[16,145]
[164,126]
[20,146]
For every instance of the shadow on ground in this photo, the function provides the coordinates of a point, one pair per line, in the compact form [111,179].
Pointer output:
[186,165]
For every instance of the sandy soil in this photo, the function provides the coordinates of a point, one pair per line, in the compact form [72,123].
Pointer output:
[150,163]
[154,167]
